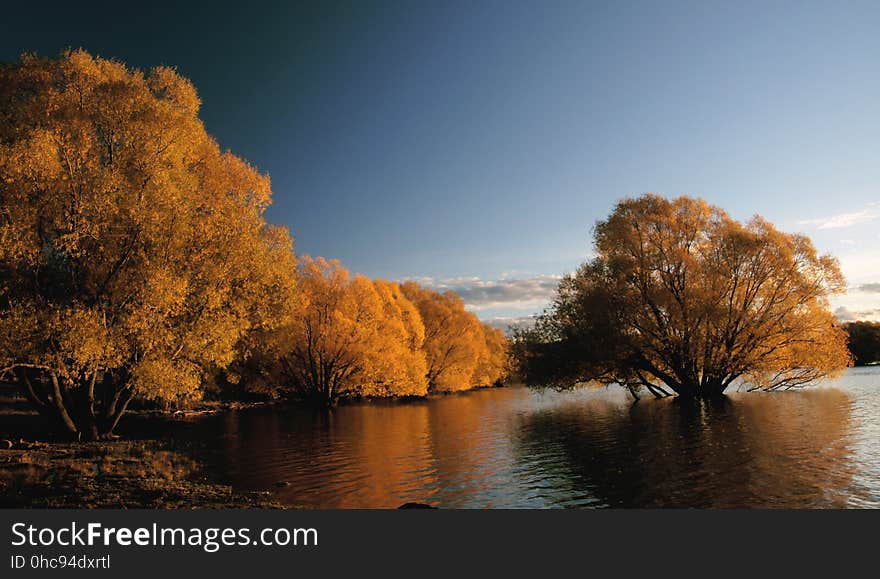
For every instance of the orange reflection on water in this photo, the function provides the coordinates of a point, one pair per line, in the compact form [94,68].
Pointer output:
[515,448]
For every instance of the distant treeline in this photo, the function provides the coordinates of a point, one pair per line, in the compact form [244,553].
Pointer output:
[864,342]
[136,264]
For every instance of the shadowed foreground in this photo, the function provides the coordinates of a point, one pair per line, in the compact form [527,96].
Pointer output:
[143,474]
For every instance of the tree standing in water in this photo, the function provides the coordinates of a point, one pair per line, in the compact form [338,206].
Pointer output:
[681,298]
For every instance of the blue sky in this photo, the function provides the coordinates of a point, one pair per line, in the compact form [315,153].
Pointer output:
[474,144]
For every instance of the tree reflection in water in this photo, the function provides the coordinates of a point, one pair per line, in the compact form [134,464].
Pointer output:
[515,448]
[757,450]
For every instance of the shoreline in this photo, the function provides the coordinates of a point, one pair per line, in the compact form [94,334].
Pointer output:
[117,474]
[142,469]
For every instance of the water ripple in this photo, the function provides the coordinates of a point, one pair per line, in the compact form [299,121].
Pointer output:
[513,448]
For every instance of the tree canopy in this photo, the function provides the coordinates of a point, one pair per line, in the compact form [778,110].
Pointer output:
[461,352]
[136,264]
[133,251]
[356,337]
[682,297]
[352,336]
[864,342]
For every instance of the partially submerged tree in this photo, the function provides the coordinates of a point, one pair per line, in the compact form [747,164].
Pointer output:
[680,297]
[133,251]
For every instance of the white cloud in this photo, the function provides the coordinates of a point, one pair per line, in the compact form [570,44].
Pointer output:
[861,302]
[873,288]
[861,266]
[845,314]
[516,294]
[841,220]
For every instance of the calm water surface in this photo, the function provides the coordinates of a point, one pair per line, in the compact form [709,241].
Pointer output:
[514,448]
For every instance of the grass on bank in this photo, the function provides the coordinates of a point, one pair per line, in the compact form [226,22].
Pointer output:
[112,474]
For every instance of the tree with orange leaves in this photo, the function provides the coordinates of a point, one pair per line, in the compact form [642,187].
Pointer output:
[682,297]
[494,362]
[457,346]
[398,366]
[351,337]
[133,251]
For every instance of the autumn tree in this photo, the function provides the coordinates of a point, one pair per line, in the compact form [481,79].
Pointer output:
[493,365]
[864,342]
[456,347]
[133,251]
[398,366]
[681,298]
[352,337]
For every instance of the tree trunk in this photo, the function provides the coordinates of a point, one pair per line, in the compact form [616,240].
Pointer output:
[118,412]
[712,389]
[37,400]
[656,391]
[686,390]
[58,402]
[90,422]
[696,390]
[74,411]
[634,392]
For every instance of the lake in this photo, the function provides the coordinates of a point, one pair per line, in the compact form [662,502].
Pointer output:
[515,448]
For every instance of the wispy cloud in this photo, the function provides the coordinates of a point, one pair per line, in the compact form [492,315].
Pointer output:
[845,314]
[873,288]
[841,220]
[517,293]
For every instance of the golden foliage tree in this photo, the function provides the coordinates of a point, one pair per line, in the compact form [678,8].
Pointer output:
[352,337]
[681,296]
[456,344]
[494,362]
[355,337]
[399,367]
[133,251]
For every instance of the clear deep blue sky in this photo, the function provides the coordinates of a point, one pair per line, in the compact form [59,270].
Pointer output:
[484,139]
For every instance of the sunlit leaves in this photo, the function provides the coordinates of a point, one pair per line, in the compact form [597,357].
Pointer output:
[135,259]
[352,337]
[359,337]
[461,353]
[131,246]
[681,295]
